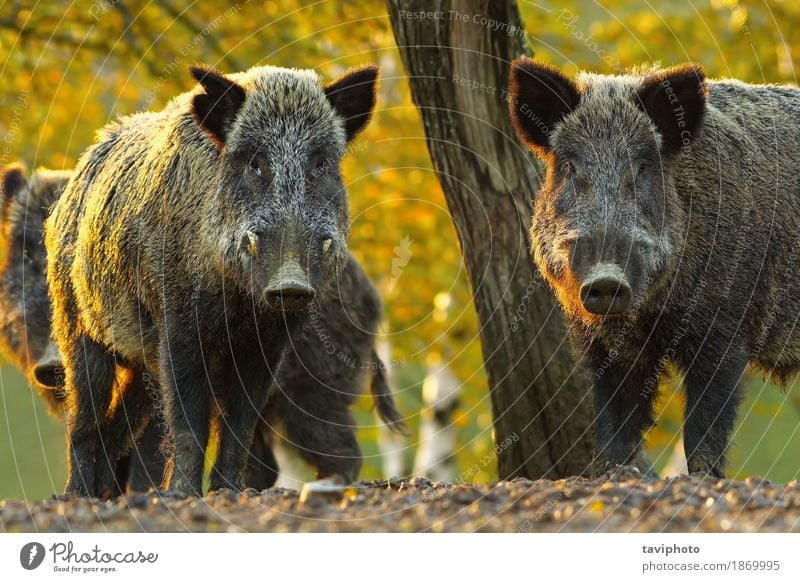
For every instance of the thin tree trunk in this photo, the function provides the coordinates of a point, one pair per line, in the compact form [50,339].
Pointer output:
[457,63]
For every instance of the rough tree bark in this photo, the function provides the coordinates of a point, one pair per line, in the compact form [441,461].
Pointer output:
[457,61]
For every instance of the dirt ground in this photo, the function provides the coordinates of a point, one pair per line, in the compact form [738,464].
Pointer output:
[618,502]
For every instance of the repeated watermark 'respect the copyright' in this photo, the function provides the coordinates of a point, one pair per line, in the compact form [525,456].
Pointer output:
[456,16]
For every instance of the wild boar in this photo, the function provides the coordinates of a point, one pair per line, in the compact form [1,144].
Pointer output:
[326,368]
[667,227]
[191,243]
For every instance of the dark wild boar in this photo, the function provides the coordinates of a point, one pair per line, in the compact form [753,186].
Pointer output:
[668,227]
[24,301]
[323,372]
[25,334]
[191,243]
[325,368]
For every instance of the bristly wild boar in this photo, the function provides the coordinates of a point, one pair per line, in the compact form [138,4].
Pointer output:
[190,243]
[667,227]
[325,368]
[24,301]
[321,374]
[25,334]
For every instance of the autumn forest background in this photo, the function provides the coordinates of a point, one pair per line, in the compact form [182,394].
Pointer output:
[69,68]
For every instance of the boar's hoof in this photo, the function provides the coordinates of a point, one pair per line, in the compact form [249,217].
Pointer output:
[64,497]
[710,475]
[173,494]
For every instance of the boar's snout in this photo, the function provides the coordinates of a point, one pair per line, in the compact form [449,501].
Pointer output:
[606,291]
[289,289]
[48,371]
[290,297]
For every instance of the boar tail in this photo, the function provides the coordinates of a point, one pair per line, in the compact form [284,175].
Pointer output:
[384,401]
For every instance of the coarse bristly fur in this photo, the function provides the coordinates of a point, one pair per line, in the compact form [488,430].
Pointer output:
[685,193]
[25,334]
[325,368]
[24,302]
[189,243]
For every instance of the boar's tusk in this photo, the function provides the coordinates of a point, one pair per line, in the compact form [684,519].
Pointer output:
[252,243]
[326,246]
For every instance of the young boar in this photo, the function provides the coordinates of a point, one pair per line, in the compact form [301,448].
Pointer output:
[24,302]
[191,243]
[667,227]
[325,368]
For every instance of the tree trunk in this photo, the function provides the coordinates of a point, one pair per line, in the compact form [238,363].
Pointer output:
[457,61]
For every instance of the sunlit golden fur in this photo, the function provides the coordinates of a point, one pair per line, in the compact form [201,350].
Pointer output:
[147,269]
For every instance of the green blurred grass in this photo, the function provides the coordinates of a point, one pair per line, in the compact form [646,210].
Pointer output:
[31,442]
[765,442]
[767,435]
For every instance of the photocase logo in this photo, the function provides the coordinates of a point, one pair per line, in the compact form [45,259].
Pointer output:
[31,555]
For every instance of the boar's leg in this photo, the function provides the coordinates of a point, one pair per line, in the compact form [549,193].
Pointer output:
[186,389]
[242,397]
[89,371]
[148,459]
[262,470]
[623,409]
[126,423]
[317,423]
[713,395]
[122,474]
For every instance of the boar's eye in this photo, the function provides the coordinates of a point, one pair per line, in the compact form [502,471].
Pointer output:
[642,169]
[254,165]
[318,163]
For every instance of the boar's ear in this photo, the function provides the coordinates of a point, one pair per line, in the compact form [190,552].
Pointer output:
[13,182]
[353,97]
[675,100]
[540,97]
[216,109]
